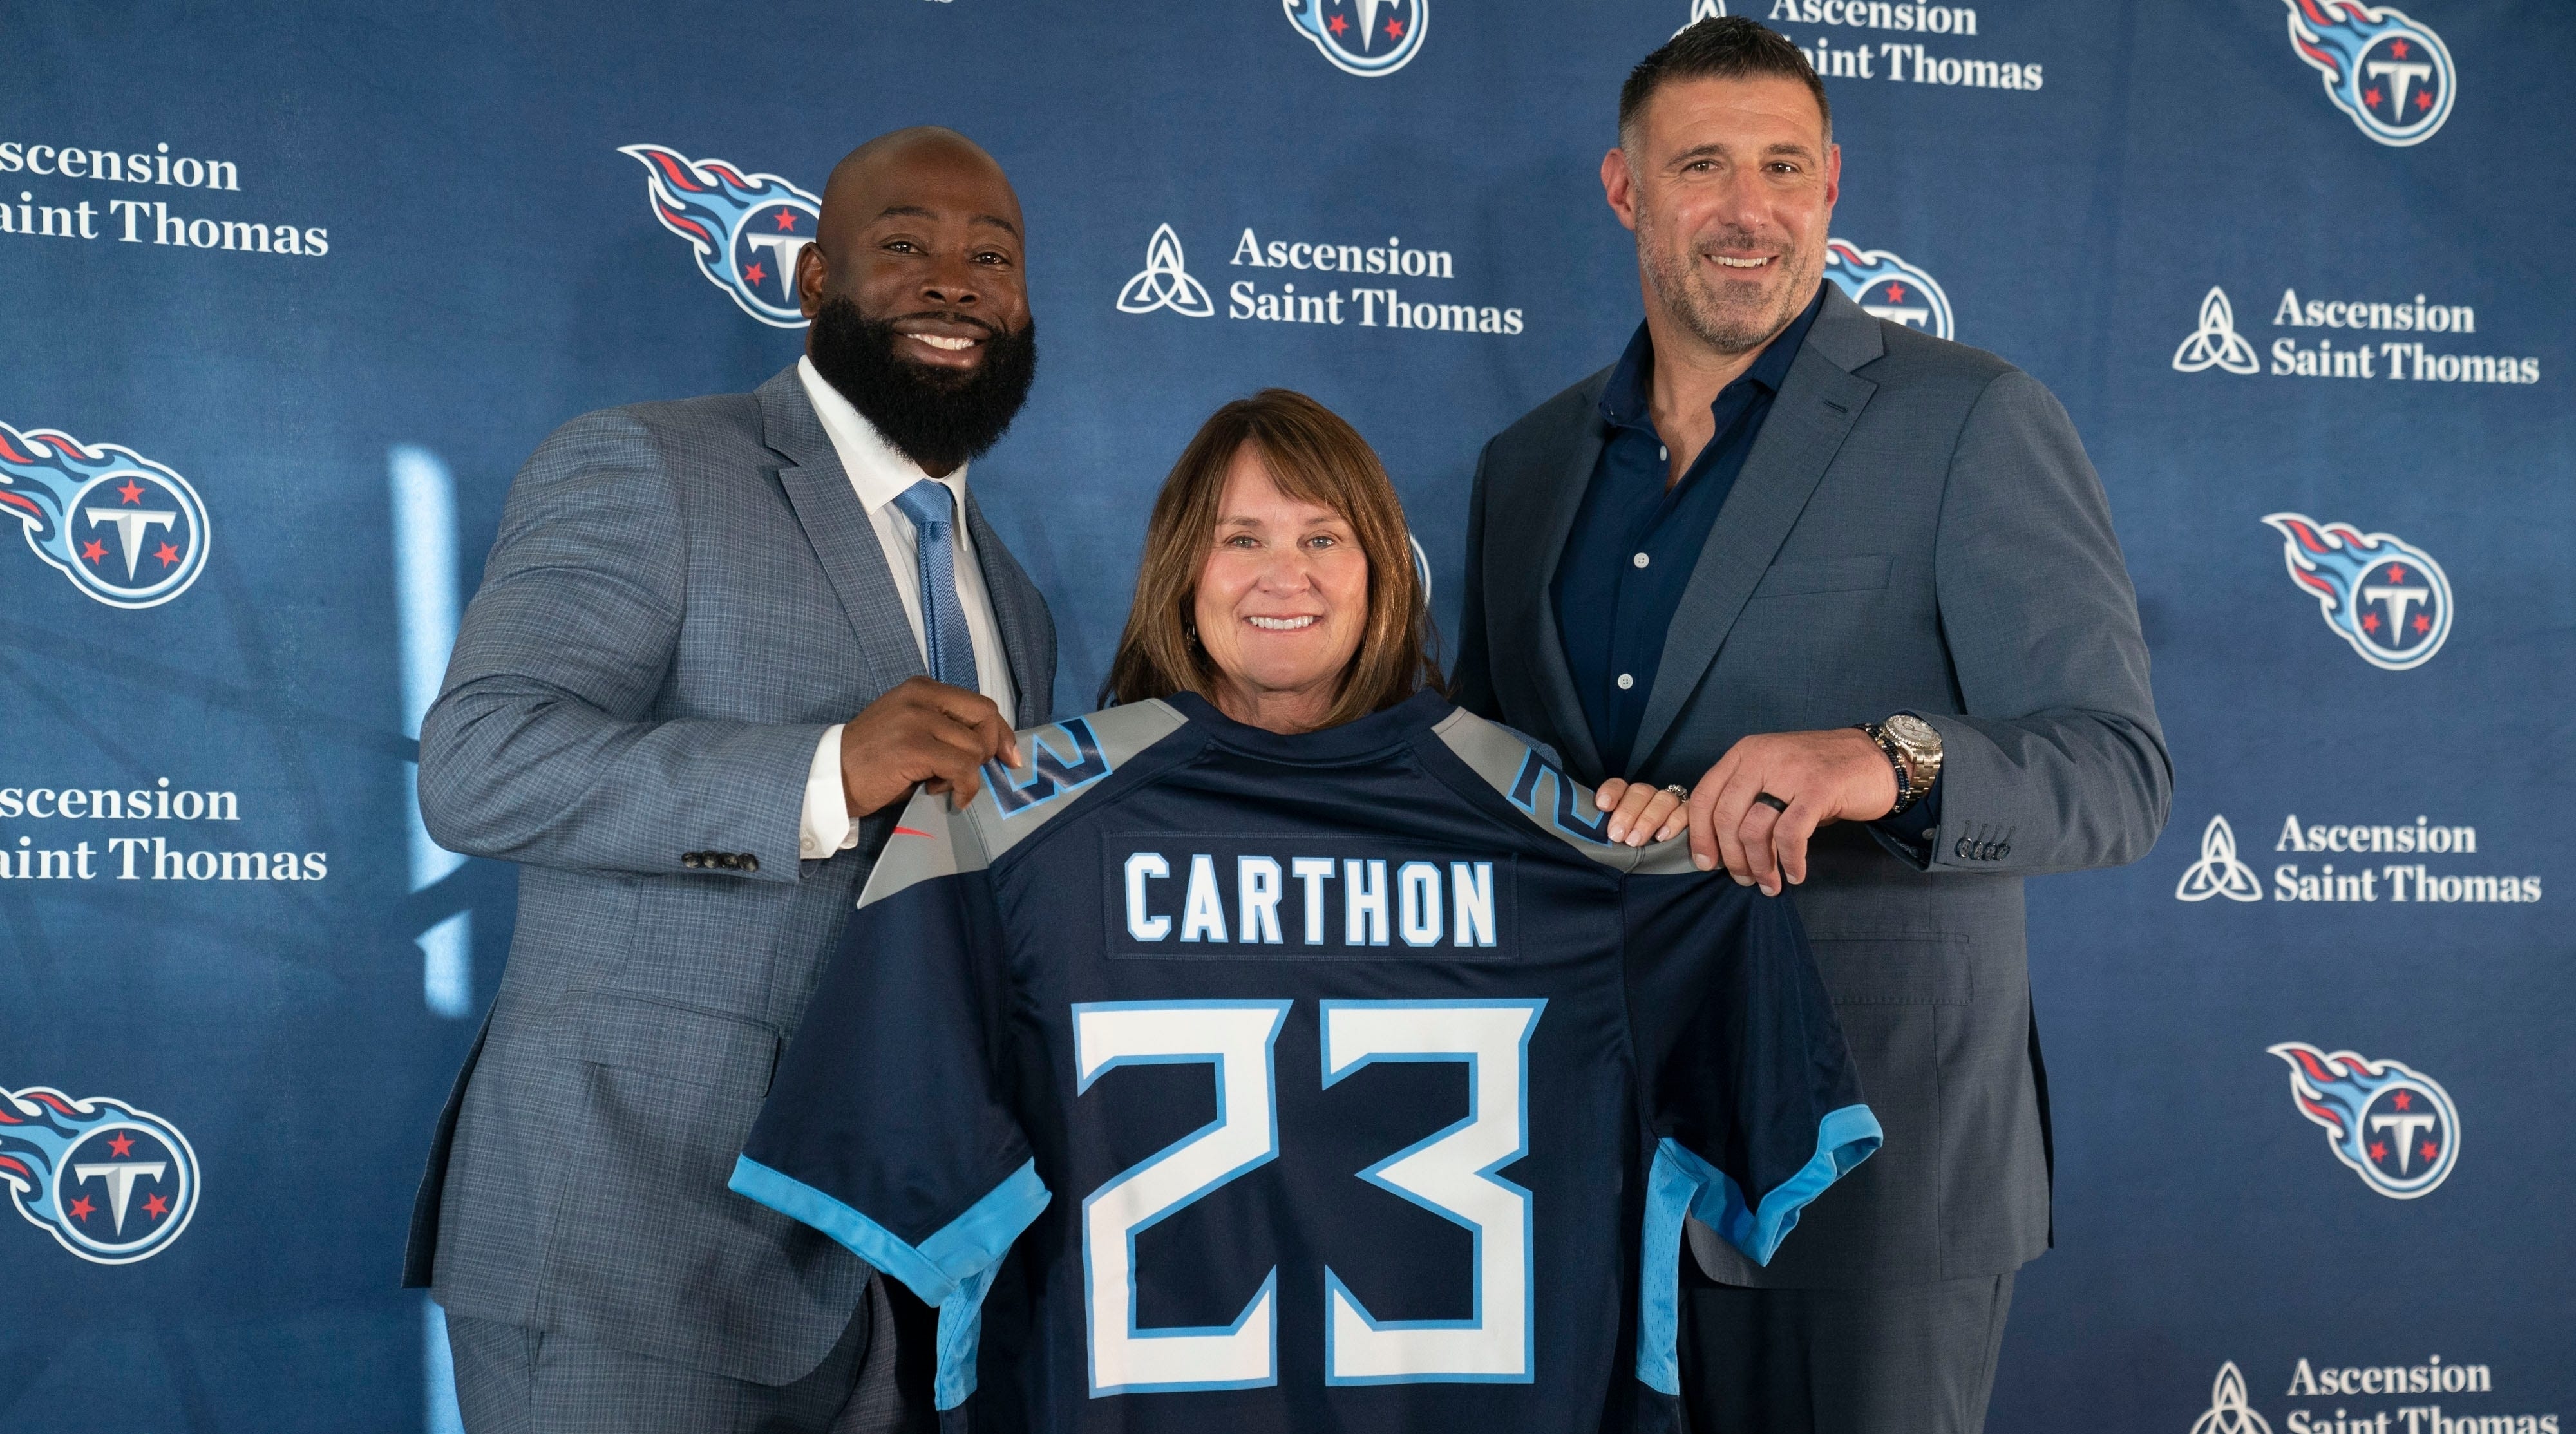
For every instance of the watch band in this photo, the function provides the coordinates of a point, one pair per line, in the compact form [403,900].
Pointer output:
[1906,796]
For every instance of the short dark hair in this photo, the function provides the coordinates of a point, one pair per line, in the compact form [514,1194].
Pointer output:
[1724,47]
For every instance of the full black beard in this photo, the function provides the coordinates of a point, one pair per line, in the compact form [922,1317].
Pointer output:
[937,419]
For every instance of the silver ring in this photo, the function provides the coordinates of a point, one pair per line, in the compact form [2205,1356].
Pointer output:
[1680,791]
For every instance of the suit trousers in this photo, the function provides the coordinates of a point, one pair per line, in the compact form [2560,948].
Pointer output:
[514,1380]
[1896,1359]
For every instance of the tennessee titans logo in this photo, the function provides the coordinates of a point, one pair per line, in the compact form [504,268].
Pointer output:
[124,529]
[2385,596]
[2389,73]
[1888,287]
[747,229]
[113,1184]
[1368,38]
[2392,1125]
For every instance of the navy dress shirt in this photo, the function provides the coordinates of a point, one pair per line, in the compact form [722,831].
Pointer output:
[1635,542]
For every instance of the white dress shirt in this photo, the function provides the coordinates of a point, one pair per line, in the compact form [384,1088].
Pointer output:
[878,474]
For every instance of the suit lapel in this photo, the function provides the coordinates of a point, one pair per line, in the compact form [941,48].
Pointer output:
[838,526]
[1019,612]
[1540,546]
[1814,411]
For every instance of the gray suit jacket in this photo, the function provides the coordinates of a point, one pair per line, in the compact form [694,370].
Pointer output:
[683,596]
[1916,529]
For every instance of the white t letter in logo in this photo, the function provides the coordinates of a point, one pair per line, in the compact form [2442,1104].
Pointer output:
[2406,74]
[120,1178]
[2406,1126]
[2398,600]
[130,524]
[784,248]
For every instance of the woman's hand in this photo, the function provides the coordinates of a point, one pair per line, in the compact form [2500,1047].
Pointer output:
[1640,814]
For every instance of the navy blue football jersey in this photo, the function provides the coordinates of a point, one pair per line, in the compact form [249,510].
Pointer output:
[1348,1080]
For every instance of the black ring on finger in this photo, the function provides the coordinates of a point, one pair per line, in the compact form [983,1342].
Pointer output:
[1768,800]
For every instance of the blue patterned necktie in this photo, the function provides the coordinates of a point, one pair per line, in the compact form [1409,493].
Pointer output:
[945,640]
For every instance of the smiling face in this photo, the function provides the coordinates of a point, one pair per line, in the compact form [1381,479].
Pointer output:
[920,229]
[1280,602]
[1730,185]
[920,315]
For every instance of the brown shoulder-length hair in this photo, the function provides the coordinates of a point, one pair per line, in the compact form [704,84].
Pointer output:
[1315,457]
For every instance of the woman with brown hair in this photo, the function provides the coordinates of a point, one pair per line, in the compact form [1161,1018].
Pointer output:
[1278,582]
[1280,859]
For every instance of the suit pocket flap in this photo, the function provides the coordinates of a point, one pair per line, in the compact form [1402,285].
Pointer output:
[680,1043]
[1895,970]
[1865,573]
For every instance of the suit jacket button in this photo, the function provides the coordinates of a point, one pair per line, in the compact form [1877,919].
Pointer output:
[1961,847]
[750,861]
[692,859]
[730,861]
[2003,851]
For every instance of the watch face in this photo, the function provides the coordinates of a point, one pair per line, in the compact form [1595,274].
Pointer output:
[1911,730]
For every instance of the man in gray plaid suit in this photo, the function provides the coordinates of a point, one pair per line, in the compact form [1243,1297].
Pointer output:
[718,642]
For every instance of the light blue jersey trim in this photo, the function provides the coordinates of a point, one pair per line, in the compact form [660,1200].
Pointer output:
[1683,1184]
[952,1269]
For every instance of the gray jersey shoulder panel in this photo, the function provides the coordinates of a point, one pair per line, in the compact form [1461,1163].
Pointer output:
[1061,762]
[1504,759]
[930,841]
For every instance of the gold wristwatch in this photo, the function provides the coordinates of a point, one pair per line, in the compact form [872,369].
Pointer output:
[1913,748]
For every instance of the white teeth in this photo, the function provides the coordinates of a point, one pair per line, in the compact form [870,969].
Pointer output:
[940,342]
[1741,263]
[1280,624]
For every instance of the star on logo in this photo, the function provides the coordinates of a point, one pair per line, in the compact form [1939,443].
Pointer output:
[2379,1150]
[1896,293]
[2370,622]
[1337,25]
[156,1206]
[1395,29]
[786,218]
[122,1144]
[754,274]
[2423,99]
[2403,1100]
[132,492]
[2370,97]
[95,551]
[81,1209]
[2398,48]
[2429,1150]
[2422,624]
[168,555]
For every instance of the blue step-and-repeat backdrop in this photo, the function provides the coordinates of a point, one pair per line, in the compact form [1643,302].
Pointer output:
[292,289]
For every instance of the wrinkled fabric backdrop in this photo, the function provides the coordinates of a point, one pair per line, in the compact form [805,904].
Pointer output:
[291,290]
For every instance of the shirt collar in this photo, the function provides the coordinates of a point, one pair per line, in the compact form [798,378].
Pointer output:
[878,470]
[1624,399]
